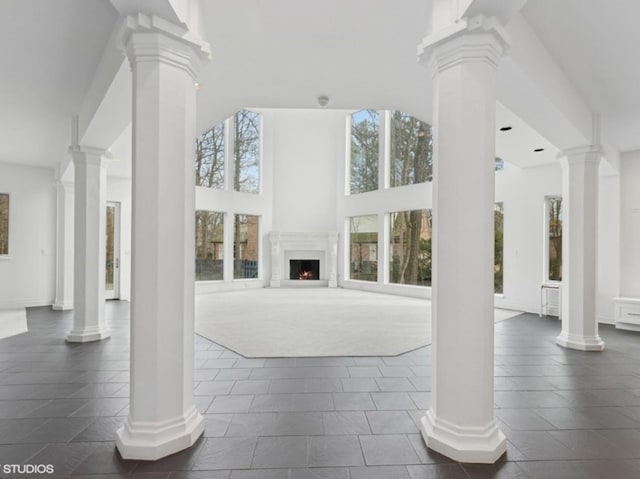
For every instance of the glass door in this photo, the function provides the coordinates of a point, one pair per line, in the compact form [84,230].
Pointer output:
[112,270]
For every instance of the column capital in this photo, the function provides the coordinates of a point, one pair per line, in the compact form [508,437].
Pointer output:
[89,155]
[475,40]
[145,38]
[581,154]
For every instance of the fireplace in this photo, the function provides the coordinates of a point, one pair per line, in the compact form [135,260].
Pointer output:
[304,269]
[303,256]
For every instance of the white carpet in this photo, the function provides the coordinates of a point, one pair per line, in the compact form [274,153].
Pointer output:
[310,322]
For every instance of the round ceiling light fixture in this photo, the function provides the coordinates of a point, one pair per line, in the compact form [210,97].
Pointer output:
[323,101]
[538,150]
[505,128]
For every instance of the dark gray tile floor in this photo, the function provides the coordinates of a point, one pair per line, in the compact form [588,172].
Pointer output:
[566,414]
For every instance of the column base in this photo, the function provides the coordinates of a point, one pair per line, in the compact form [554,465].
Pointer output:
[152,441]
[470,444]
[87,335]
[333,283]
[62,306]
[274,283]
[579,342]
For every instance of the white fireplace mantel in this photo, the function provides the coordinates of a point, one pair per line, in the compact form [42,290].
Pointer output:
[290,245]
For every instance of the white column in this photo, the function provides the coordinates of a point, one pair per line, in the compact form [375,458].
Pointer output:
[162,416]
[333,259]
[460,423]
[89,323]
[64,246]
[276,261]
[579,249]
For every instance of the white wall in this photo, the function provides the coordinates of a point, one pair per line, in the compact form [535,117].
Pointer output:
[27,275]
[307,147]
[119,191]
[630,225]
[609,247]
[523,193]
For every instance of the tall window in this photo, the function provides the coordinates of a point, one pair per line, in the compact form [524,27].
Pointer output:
[363,240]
[245,247]
[554,213]
[411,157]
[209,245]
[498,265]
[365,151]
[4,223]
[246,147]
[210,158]
[410,248]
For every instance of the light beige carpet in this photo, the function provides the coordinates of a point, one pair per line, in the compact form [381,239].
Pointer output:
[307,322]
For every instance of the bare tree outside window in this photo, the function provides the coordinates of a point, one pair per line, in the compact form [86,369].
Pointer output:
[410,247]
[554,206]
[365,152]
[210,158]
[411,149]
[209,245]
[246,147]
[4,223]
[363,239]
[245,247]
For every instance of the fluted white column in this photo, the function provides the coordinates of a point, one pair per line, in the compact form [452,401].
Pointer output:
[162,416]
[64,245]
[90,201]
[579,249]
[460,423]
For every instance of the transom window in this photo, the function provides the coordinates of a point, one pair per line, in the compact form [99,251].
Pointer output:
[392,141]
[228,155]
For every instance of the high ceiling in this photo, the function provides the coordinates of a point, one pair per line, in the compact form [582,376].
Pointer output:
[286,53]
[49,51]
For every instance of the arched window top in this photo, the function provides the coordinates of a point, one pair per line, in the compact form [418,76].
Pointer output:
[228,155]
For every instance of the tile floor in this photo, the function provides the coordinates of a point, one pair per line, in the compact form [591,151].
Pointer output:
[566,414]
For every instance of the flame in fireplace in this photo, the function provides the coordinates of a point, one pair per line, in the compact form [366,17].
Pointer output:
[305,275]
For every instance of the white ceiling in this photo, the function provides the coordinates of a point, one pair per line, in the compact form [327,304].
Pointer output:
[48,52]
[286,53]
[596,43]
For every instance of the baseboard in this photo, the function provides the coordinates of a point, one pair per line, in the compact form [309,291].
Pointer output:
[25,303]
[206,287]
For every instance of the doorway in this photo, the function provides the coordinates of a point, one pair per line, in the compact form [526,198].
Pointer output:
[112,269]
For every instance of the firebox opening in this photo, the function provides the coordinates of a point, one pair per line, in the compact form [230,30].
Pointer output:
[304,269]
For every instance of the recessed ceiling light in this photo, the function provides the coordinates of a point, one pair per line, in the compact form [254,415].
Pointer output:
[538,150]
[505,128]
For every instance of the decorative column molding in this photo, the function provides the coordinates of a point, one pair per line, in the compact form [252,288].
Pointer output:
[580,248]
[165,59]
[64,246]
[90,166]
[464,58]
